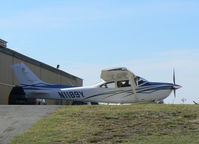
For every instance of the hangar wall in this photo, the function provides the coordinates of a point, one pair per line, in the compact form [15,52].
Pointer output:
[43,71]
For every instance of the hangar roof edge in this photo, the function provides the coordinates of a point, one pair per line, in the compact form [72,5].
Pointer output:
[36,62]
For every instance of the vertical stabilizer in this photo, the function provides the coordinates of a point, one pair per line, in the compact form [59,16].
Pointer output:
[25,75]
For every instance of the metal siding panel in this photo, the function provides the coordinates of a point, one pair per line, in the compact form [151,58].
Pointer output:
[67,81]
[50,77]
[51,102]
[5,69]
[4,93]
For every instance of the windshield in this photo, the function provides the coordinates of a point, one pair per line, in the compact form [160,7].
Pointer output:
[140,80]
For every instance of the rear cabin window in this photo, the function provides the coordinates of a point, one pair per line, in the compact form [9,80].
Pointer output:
[108,85]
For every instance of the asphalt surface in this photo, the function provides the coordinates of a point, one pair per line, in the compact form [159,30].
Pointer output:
[16,119]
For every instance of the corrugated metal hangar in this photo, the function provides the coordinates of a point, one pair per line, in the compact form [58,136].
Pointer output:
[43,71]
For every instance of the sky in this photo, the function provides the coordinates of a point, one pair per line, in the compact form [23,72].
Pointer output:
[150,38]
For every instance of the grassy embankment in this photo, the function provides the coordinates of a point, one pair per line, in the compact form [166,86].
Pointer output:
[143,123]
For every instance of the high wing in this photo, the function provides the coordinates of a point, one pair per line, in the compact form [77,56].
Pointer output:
[119,74]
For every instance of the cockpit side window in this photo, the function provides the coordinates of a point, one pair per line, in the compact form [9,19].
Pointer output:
[124,83]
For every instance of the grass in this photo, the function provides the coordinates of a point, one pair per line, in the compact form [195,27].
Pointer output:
[144,123]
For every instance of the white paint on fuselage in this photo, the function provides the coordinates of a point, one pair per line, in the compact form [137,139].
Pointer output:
[107,95]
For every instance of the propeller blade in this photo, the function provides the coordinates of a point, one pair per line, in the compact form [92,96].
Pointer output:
[174,77]
[174,82]
[174,90]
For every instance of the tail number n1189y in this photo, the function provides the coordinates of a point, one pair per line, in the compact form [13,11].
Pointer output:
[71,94]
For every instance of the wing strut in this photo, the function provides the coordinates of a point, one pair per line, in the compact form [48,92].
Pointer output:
[133,85]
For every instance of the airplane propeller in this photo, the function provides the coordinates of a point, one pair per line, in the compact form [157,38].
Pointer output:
[175,86]
[174,83]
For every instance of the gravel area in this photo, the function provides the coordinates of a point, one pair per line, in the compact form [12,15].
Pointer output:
[16,119]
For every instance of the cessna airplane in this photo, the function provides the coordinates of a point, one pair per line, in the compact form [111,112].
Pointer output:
[120,86]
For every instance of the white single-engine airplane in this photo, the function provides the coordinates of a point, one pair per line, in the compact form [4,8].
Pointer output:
[119,86]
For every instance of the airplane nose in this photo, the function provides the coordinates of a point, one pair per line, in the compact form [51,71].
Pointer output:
[175,86]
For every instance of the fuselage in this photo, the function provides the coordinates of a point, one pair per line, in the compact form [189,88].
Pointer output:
[147,92]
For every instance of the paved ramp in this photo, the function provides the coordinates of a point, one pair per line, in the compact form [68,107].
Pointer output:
[16,119]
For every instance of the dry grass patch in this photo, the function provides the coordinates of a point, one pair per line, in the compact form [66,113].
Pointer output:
[144,123]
